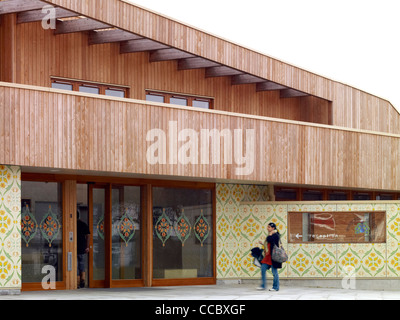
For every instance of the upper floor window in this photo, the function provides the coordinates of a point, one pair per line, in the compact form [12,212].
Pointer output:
[90,87]
[179,99]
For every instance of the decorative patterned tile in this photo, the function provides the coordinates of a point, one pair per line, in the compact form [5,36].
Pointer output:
[368,260]
[312,260]
[348,255]
[393,224]
[393,261]
[242,226]
[10,227]
[312,207]
[300,260]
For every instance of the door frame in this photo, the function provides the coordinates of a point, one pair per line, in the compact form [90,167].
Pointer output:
[108,281]
[69,187]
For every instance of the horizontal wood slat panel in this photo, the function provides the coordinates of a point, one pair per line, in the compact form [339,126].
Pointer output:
[45,128]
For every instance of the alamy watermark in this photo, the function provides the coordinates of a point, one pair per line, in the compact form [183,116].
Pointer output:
[349,280]
[188,146]
[49,20]
[49,280]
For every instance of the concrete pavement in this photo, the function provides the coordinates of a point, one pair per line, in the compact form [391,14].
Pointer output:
[231,292]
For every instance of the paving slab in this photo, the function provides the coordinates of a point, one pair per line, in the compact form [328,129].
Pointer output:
[217,292]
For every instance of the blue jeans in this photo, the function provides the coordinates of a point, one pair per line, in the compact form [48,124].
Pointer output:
[264,268]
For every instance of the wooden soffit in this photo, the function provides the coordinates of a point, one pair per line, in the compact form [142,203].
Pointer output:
[171,40]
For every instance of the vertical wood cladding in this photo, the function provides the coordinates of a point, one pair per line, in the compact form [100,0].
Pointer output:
[40,128]
[351,107]
[40,54]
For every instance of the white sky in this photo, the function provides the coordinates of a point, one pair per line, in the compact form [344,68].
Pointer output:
[356,42]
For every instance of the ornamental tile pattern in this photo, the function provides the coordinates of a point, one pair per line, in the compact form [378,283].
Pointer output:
[10,227]
[242,222]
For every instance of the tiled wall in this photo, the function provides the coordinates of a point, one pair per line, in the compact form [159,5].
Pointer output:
[10,228]
[241,225]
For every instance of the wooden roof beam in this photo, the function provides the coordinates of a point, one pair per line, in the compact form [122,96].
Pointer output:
[114,35]
[196,63]
[38,15]
[269,86]
[245,79]
[79,25]
[141,45]
[14,6]
[169,54]
[222,71]
[292,93]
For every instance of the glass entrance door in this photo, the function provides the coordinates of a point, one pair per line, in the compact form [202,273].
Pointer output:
[114,219]
[97,248]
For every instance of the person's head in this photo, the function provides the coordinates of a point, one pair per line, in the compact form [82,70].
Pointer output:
[271,226]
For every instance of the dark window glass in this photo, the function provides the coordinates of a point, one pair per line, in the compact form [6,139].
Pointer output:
[127,232]
[182,233]
[89,89]
[178,101]
[154,98]
[115,93]
[41,230]
[201,104]
[62,86]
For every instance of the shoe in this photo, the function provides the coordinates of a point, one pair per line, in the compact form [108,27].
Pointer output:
[260,288]
[272,289]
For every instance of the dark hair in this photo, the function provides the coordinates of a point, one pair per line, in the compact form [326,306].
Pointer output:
[273,225]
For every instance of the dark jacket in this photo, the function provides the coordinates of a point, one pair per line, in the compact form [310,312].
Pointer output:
[274,240]
[257,253]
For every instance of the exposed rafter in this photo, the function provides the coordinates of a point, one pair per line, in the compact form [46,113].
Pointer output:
[38,15]
[269,86]
[245,79]
[141,45]
[196,63]
[100,33]
[113,35]
[13,6]
[292,93]
[169,54]
[79,25]
[222,71]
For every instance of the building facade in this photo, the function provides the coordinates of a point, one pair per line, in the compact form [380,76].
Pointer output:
[176,148]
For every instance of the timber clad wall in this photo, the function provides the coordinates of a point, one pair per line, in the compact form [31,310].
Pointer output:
[44,128]
[41,55]
[351,107]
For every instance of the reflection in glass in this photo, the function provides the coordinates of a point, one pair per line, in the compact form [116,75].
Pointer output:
[154,98]
[98,234]
[62,86]
[126,233]
[337,227]
[178,101]
[88,89]
[115,93]
[201,104]
[83,214]
[41,229]
[182,233]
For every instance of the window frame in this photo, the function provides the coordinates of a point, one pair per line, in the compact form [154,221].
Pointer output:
[324,239]
[76,84]
[189,98]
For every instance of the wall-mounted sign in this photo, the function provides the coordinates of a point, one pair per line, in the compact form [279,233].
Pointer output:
[337,227]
